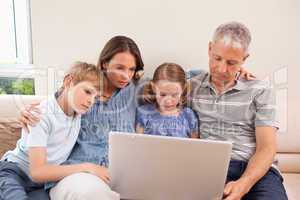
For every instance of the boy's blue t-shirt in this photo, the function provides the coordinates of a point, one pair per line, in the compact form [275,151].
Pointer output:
[154,123]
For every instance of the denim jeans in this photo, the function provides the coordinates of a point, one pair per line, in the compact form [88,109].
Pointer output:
[15,184]
[269,187]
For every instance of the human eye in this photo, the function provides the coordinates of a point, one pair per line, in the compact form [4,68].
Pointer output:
[231,63]
[119,67]
[217,58]
[87,91]
[132,69]
[175,95]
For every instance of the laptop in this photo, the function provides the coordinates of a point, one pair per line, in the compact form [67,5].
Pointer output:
[167,168]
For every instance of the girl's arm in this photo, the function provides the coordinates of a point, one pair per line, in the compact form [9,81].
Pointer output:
[140,120]
[41,171]
[195,135]
[139,129]
[193,123]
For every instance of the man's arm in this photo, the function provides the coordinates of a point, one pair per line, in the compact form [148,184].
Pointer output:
[257,166]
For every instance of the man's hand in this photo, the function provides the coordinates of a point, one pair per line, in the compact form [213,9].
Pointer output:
[235,190]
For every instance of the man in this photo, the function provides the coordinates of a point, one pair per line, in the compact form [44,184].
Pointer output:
[239,111]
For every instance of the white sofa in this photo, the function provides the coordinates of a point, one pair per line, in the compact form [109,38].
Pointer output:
[288,143]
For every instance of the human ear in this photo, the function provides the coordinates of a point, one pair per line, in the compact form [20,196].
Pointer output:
[244,59]
[152,85]
[104,66]
[209,47]
[68,81]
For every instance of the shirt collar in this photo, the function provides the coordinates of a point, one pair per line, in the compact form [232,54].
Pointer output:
[240,83]
[206,82]
[116,93]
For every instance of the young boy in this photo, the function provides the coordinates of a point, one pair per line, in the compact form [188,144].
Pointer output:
[39,153]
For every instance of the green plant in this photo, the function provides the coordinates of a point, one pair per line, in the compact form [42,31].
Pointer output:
[16,86]
[24,86]
[2,91]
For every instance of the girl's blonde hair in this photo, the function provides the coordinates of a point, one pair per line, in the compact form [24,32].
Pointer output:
[170,72]
[82,71]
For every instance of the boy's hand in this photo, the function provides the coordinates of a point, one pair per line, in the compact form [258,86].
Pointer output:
[99,171]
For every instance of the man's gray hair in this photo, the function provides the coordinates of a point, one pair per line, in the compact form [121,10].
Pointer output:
[233,33]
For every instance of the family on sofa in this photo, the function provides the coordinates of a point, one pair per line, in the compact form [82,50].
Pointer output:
[64,141]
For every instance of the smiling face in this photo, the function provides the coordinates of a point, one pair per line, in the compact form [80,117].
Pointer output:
[120,69]
[167,94]
[225,61]
[82,96]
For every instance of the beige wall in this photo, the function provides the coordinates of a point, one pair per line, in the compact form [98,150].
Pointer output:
[66,30]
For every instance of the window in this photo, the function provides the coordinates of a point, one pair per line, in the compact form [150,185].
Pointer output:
[15,47]
[23,86]
[15,37]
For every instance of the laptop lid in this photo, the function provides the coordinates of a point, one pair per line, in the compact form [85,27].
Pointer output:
[167,168]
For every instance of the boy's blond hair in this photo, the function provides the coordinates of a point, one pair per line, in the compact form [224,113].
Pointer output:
[81,71]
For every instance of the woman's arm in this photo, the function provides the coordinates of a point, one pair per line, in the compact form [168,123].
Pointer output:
[41,171]
[243,73]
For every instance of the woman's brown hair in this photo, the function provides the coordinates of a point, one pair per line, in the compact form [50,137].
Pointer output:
[170,72]
[119,44]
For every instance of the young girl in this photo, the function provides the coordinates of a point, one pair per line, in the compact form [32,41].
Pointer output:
[166,114]
[38,153]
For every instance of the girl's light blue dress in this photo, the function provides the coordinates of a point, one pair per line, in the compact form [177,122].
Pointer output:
[154,123]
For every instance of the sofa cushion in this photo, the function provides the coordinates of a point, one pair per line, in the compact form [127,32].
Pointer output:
[10,132]
[289,162]
[10,129]
[11,105]
[291,183]
[288,142]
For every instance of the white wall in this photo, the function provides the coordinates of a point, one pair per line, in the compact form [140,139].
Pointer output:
[170,30]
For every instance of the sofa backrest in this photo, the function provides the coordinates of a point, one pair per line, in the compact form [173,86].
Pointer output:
[288,143]
[10,128]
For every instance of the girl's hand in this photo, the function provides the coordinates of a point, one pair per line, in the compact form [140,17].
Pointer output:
[99,171]
[30,115]
[245,74]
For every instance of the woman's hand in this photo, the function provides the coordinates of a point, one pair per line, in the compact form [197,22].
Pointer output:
[243,73]
[99,171]
[30,115]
